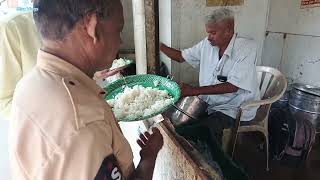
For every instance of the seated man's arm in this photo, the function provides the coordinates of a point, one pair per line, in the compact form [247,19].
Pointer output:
[208,90]
[173,54]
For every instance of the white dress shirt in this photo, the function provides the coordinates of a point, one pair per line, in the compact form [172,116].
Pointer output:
[237,64]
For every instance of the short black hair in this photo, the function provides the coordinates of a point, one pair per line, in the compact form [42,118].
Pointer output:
[56,18]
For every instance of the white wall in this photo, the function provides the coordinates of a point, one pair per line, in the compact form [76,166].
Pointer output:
[165,28]
[127,32]
[188,28]
[297,55]
[286,16]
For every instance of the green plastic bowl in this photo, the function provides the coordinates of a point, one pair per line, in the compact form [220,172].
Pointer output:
[145,80]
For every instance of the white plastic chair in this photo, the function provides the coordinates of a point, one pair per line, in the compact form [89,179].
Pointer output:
[272,86]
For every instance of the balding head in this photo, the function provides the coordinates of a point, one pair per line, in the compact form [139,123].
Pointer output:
[222,15]
[220,27]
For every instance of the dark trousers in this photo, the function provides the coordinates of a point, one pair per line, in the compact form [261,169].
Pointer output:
[209,129]
[215,123]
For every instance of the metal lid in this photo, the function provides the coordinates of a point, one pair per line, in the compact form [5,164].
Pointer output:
[307,88]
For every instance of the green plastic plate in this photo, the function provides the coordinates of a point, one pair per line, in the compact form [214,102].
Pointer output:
[145,80]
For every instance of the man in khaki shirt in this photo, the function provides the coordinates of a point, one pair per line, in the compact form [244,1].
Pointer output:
[61,126]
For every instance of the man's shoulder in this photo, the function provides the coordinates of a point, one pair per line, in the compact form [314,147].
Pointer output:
[59,105]
[43,85]
[42,94]
[203,44]
[53,90]
[40,84]
[244,46]
[245,42]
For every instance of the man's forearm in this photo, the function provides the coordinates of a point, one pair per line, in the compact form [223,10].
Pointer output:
[173,54]
[150,146]
[144,171]
[222,88]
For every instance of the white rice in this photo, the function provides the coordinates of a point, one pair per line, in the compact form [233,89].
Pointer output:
[139,101]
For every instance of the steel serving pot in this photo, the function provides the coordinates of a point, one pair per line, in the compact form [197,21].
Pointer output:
[187,109]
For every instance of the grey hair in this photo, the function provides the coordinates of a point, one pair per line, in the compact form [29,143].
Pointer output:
[219,14]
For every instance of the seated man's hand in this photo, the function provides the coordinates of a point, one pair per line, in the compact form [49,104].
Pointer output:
[150,144]
[186,90]
[162,46]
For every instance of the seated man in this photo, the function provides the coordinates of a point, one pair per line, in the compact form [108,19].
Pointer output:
[227,73]
[19,43]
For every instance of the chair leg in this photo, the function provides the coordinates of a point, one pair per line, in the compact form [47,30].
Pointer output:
[267,151]
[234,143]
[233,149]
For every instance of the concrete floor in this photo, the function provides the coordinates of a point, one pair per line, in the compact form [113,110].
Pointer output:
[254,162]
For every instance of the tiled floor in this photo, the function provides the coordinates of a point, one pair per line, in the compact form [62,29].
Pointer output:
[254,162]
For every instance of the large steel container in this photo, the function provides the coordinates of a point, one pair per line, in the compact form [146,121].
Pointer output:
[186,110]
[304,102]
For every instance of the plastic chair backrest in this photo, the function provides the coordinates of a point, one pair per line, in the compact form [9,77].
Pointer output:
[272,83]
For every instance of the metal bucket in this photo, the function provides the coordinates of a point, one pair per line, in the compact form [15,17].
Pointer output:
[313,118]
[304,102]
[302,97]
[186,110]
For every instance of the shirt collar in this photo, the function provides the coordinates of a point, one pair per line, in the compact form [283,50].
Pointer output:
[59,66]
[228,51]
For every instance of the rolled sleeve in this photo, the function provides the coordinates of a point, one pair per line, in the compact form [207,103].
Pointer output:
[243,73]
[193,55]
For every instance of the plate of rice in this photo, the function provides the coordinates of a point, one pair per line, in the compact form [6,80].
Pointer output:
[140,97]
[119,64]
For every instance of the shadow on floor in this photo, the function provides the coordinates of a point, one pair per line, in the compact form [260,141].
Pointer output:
[253,160]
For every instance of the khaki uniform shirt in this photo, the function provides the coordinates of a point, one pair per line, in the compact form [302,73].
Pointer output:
[61,126]
[19,43]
